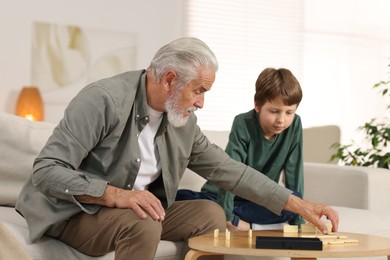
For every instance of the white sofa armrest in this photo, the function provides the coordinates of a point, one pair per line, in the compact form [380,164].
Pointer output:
[193,181]
[348,186]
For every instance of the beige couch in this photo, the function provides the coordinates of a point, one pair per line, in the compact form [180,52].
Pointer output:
[360,194]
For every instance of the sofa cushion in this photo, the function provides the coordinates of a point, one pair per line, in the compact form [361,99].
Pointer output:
[21,141]
[363,221]
[10,248]
[50,248]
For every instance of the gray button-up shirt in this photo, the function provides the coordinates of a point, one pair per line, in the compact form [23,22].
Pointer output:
[96,144]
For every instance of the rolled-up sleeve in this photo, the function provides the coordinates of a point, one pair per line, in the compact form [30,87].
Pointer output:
[56,169]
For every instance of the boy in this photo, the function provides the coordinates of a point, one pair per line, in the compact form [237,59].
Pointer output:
[269,139]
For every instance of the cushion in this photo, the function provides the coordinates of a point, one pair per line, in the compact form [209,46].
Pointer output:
[317,142]
[363,221]
[12,225]
[21,140]
[10,248]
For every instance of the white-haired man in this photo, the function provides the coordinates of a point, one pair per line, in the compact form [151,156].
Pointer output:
[107,177]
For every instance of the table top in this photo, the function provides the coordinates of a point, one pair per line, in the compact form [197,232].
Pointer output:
[241,244]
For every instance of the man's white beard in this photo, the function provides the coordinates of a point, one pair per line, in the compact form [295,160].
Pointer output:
[176,116]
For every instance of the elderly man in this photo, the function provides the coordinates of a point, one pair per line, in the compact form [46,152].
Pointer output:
[107,177]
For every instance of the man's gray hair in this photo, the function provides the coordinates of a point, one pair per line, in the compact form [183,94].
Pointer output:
[186,56]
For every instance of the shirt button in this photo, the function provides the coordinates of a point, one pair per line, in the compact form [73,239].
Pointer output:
[137,116]
[138,160]
[66,191]
[137,135]
[129,186]
[147,118]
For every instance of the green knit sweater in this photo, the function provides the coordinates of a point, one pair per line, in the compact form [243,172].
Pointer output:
[248,145]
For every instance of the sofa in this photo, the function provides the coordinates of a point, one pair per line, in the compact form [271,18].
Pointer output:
[358,193]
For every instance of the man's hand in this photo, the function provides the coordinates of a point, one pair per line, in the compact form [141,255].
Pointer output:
[242,226]
[313,212]
[142,202]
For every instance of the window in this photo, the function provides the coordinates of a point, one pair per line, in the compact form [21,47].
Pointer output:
[337,50]
[246,37]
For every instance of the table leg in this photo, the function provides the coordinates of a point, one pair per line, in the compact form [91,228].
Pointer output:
[388,257]
[194,254]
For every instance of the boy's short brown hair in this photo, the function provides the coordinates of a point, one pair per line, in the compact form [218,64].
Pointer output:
[277,83]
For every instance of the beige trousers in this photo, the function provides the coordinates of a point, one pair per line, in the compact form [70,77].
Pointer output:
[131,237]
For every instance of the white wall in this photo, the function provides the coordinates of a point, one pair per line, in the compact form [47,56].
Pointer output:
[347,50]
[155,22]
[339,94]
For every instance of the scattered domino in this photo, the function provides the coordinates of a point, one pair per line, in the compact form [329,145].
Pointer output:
[336,242]
[290,229]
[216,233]
[329,227]
[354,241]
[327,236]
[309,236]
[308,228]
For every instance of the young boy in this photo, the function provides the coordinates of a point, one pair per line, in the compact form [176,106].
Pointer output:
[269,139]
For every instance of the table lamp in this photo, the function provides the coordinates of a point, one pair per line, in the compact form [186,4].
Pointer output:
[29,104]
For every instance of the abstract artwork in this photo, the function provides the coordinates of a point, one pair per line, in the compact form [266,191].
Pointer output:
[65,58]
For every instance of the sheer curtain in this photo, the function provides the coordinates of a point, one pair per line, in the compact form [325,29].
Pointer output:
[246,38]
[336,49]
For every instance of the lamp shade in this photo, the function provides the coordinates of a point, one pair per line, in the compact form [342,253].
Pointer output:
[30,104]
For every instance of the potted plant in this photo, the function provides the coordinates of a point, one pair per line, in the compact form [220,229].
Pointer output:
[373,151]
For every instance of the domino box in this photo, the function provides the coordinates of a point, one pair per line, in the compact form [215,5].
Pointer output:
[299,243]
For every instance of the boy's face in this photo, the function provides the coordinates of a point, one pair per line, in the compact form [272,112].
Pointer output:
[275,117]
